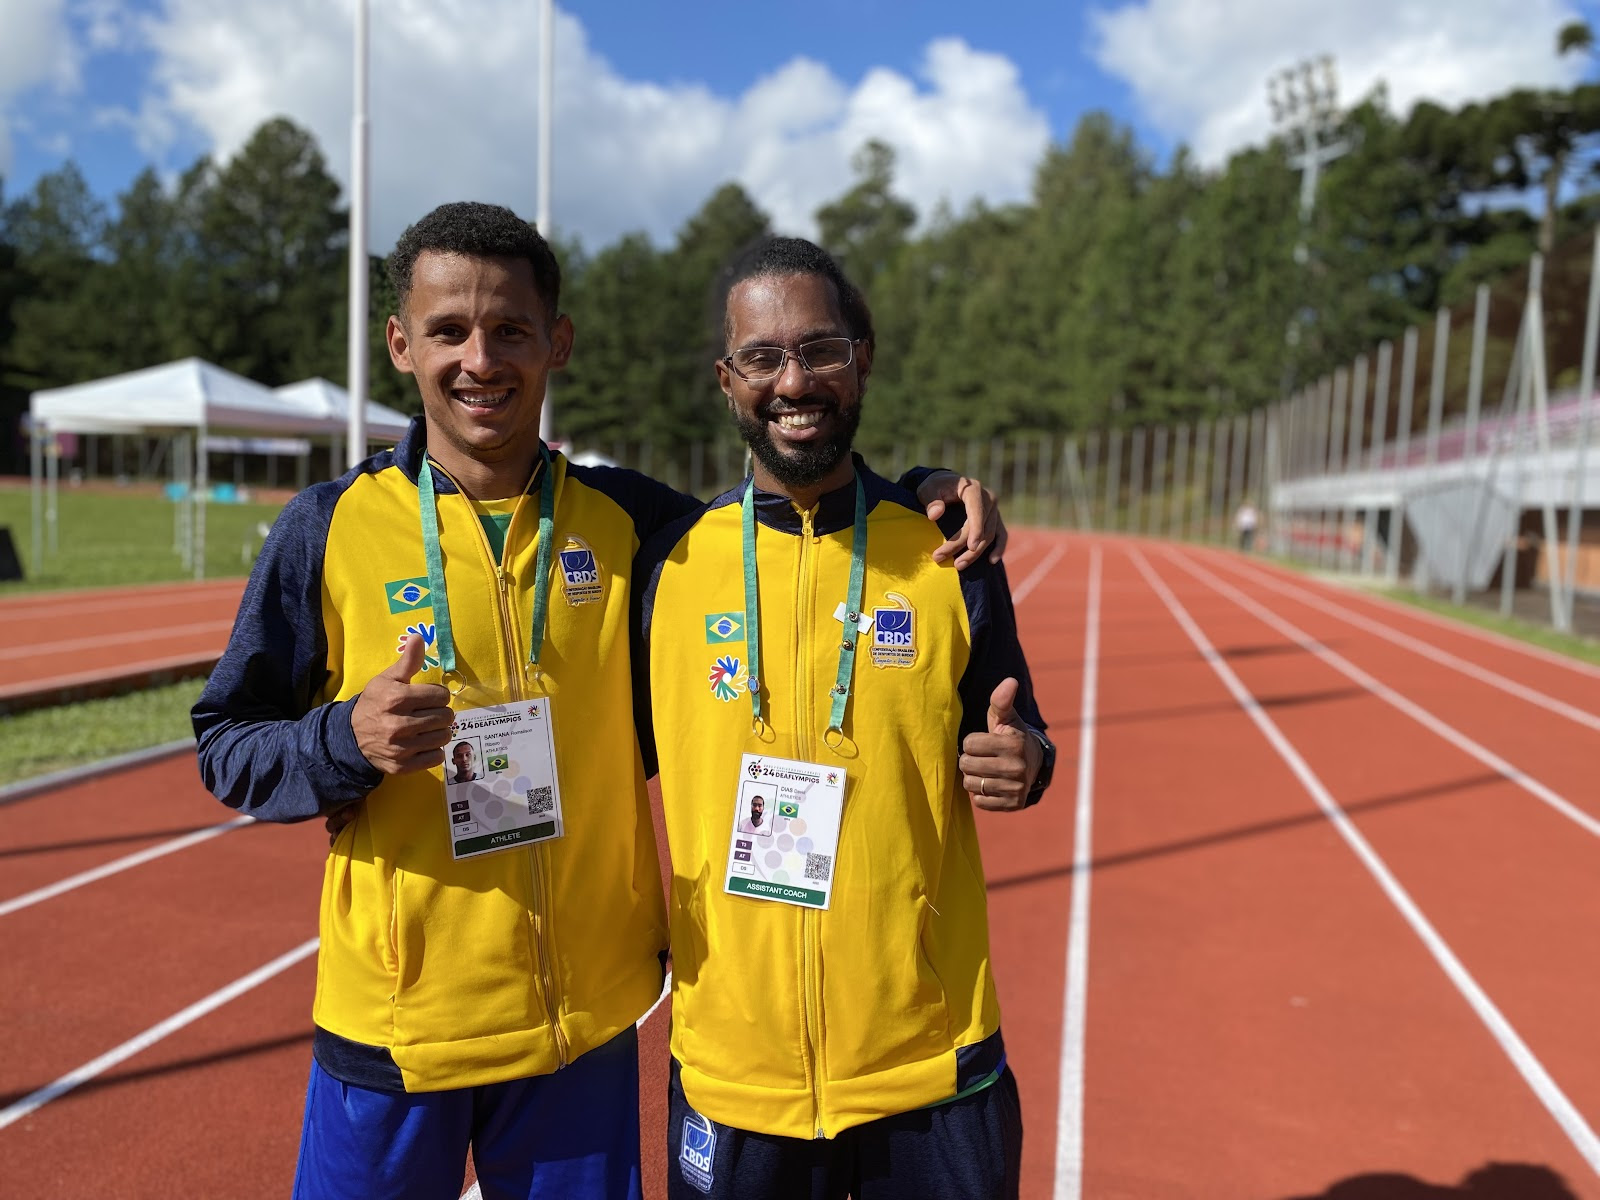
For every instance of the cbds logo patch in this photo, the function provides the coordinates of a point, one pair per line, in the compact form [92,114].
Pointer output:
[894,633]
[697,1152]
[580,572]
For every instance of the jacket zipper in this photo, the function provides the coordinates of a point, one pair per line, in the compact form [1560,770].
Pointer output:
[805,700]
[541,903]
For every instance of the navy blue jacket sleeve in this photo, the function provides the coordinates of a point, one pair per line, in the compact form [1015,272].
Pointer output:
[266,747]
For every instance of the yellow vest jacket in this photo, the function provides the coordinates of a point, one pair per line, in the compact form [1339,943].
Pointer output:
[793,1021]
[433,973]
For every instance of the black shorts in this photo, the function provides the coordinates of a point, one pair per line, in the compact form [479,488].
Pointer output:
[967,1149]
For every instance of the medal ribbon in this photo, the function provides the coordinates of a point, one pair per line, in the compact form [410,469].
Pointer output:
[852,607]
[429,504]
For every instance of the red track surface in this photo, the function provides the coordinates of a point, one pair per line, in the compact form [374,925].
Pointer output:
[1262,1022]
[63,639]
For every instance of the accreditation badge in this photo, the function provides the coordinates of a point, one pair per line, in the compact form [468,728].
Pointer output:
[500,785]
[785,838]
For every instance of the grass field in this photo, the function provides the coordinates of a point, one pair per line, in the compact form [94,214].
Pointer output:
[1539,635]
[110,537]
[71,735]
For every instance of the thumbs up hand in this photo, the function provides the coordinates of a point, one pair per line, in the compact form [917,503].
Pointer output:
[998,767]
[402,726]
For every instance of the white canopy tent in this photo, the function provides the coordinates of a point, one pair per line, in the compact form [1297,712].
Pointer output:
[189,401]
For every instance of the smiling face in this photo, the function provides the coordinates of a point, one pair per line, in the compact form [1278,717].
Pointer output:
[481,345]
[799,425]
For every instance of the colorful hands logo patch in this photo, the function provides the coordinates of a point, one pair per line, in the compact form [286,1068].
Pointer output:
[429,633]
[728,678]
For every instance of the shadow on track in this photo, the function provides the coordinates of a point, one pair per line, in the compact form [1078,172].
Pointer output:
[172,1068]
[1497,1181]
[1314,816]
[150,835]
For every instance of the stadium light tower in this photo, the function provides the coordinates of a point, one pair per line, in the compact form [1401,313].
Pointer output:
[356,346]
[547,91]
[1305,105]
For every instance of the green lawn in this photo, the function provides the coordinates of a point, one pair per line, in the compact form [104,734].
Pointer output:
[109,537]
[1539,635]
[70,735]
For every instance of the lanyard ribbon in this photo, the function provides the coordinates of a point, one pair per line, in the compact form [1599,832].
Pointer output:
[429,504]
[852,607]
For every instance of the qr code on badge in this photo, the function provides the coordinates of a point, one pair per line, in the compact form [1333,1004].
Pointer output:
[819,867]
[540,802]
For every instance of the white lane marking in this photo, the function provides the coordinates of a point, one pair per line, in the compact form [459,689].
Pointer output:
[472,1193]
[1388,695]
[1522,1057]
[1036,576]
[155,634]
[54,1091]
[71,605]
[116,866]
[1074,1008]
[1427,649]
[1464,627]
[666,990]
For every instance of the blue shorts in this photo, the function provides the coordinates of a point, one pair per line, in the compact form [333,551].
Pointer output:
[966,1149]
[573,1135]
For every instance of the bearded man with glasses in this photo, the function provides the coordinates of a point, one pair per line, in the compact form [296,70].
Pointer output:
[835,1029]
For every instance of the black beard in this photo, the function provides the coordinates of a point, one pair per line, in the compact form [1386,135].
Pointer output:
[808,464]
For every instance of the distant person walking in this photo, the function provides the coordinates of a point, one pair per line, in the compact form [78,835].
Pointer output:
[1244,523]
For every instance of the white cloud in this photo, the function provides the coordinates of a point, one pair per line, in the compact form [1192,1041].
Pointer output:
[1199,67]
[454,95]
[36,49]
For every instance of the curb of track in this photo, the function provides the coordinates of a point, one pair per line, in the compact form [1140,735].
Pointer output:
[107,766]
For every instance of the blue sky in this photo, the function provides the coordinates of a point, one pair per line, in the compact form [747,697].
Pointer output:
[660,102]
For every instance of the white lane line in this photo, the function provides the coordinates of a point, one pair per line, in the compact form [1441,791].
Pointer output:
[666,990]
[156,634]
[1399,608]
[54,1091]
[1036,576]
[116,866]
[1388,695]
[1427,649]
[1074,1007]
[1522,1057]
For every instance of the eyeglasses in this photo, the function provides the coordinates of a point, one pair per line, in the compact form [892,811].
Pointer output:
[758,364]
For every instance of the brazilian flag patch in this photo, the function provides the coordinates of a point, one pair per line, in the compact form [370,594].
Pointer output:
[788,808]
[408,595]
[724,627]
[499,762]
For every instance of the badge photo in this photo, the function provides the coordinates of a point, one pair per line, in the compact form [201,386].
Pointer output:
[580,572]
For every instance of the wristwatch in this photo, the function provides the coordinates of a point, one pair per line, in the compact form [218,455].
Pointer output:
[1047,767]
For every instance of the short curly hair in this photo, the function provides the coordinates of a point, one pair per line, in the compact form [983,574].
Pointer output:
[769,256]
[481,231]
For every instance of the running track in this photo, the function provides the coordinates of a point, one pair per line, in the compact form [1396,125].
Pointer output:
[1331,932]
[67,639]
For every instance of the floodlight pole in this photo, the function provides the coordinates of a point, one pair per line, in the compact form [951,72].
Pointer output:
[356,367]
[547,92]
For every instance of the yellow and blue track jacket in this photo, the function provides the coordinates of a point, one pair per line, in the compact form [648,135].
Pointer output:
[802,1022]
[434,973]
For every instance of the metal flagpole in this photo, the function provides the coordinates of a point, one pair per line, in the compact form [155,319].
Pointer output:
[1591,329]
[1480,335]
[1380,427]
[36,491]
[356,344]
[1560,610]
[1402,450]
[547,92]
